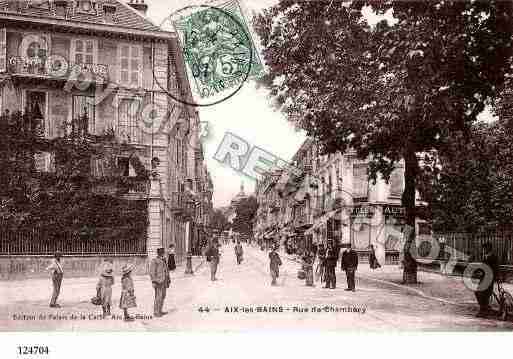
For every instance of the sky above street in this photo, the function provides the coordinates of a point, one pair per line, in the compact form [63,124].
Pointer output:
[248,114]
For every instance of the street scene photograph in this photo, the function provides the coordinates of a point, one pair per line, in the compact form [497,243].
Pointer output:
[255,165]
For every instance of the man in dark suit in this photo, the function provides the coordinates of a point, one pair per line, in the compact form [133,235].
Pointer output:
[160,280]
[486,279]
[57,273]
[331,264]
[349,265]
[213,256]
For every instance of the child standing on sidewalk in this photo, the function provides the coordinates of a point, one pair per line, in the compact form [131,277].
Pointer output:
[275,263]
[127,299]
[104,288]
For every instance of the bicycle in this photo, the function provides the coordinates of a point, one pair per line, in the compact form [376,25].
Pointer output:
[504,299]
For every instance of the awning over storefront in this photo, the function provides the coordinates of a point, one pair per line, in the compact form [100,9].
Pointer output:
[322,221]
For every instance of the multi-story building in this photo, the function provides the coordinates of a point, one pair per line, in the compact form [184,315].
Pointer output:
[331,198]
[104,60]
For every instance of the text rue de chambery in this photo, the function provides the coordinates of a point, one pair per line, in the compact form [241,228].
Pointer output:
[294,309]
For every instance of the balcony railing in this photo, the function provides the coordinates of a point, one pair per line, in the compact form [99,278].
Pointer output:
[127,188]
[301,220]
[138,188]
[274,207]
[39,67]
[307,168]
[178,202]
[182,204]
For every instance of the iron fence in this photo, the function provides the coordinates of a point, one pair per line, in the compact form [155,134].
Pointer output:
[468,246]
[37,242]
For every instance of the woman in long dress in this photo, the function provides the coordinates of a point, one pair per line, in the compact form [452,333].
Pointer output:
[373,260]
[308,260]
[127,299]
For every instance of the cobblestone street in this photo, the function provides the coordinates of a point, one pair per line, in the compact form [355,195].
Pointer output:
[196,303]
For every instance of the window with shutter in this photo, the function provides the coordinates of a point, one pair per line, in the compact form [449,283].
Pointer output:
[360,182]
[184,156]
[84,51]
[3,50]
[397,183]
[130,57]
[177,154]
[128,113]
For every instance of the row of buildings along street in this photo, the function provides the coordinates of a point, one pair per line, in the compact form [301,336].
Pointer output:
[331,198]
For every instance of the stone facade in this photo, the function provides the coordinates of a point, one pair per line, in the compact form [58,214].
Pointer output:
[118,69]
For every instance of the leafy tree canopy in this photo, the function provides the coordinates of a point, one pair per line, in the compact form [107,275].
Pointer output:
[405,90]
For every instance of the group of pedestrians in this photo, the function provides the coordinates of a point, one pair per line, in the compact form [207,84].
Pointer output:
[327,264]
[160,268]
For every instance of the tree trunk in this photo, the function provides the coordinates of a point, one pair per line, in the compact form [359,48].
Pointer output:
[408,202]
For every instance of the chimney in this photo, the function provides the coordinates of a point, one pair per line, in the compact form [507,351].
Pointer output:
[139,5]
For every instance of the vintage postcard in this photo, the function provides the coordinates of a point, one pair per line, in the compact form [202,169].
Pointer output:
[240,165]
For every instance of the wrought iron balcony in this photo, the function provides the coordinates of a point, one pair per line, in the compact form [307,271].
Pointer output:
[182,204]
[301,220]
[307,168]
[178,202]
[57,70]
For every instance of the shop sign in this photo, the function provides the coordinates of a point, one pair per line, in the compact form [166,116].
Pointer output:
[394,211]
[362,212]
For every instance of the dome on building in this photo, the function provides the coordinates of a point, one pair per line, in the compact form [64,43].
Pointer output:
[239,197]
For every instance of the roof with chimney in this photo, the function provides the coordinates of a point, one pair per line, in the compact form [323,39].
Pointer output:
[124,16]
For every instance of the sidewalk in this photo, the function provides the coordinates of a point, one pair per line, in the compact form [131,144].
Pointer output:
[24,301]
[431,285]
[40,288]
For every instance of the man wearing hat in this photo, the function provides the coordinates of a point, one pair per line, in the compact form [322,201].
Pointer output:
[274,264]
[213,256]
[160,280]
[57,273]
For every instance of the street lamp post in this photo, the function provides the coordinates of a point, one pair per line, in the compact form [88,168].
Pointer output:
[188,264]
[191,205]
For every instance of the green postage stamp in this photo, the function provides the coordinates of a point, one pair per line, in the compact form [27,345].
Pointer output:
[218,49]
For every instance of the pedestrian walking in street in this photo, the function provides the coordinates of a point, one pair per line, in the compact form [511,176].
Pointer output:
[213,257]
[443,256]
[321,263]
[127,299]
[349,265]
[239,252]
[331,264]
[274,264]
[171,262]
[160,281]
[56,273]
[104,288]
[486,279]
[308,260]
[373,260]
